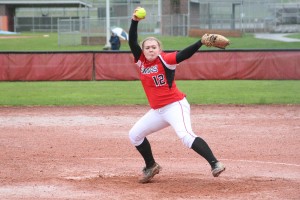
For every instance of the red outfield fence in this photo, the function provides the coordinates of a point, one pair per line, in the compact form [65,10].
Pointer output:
[108,65]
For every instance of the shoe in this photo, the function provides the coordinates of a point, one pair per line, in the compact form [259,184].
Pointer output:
[218,169]
[149,173]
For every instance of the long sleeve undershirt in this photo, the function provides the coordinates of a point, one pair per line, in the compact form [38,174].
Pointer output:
[136,49]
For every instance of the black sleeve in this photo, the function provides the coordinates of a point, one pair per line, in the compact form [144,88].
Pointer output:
[133,40]
[188,51]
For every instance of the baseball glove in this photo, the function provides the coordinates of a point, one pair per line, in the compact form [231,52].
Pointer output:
[215,40]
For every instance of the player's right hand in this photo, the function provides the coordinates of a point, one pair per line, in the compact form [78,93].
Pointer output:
[134,17]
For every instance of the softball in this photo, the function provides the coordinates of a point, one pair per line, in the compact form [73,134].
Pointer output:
[140,13]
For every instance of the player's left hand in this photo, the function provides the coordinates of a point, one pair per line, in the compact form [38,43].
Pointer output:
[215,40]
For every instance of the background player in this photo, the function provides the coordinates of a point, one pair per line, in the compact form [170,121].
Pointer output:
[168,104]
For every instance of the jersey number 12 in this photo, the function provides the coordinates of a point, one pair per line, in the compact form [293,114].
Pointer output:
[159,80]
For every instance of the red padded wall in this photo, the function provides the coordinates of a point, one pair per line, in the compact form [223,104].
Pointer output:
[203,65]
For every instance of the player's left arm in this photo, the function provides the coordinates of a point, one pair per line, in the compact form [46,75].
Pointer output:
[188,51]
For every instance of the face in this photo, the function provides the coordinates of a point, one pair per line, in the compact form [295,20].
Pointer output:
[151,49]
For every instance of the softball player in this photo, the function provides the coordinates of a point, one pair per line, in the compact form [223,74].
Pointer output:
[169,106]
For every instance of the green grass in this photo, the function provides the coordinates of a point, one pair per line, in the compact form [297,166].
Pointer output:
[296,36]
[243,92]
[39,43]
[131,92]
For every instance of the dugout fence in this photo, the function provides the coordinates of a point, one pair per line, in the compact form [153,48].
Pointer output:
[108,65]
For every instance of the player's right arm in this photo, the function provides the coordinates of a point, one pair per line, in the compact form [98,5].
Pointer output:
[133,40]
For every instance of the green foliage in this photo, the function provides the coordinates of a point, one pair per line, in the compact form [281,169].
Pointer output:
[131,92]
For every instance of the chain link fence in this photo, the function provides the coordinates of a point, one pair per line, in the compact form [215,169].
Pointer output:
[77,26]
[93,31]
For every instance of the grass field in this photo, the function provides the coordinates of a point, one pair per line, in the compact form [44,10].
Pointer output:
[37,42]
[131,92]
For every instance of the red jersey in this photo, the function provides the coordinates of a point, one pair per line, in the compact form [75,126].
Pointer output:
[154,80]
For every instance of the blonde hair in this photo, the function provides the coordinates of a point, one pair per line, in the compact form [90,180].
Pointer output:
[151,38]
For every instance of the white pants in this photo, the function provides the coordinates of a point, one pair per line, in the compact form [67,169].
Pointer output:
[176,114]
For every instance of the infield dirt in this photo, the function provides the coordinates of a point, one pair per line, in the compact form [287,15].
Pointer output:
[85,153]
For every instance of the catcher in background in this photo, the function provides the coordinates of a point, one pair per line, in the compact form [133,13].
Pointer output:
[169,106]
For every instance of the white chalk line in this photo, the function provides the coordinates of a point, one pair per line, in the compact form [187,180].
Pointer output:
[264,162]
[248,161]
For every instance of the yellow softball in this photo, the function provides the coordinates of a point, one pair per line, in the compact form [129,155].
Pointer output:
[140,13]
